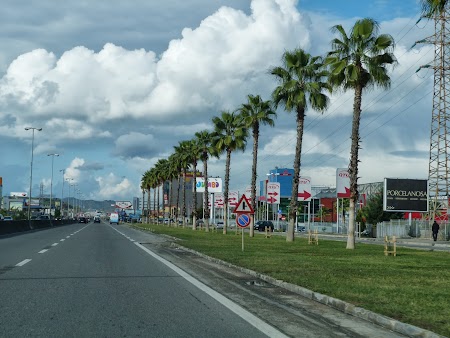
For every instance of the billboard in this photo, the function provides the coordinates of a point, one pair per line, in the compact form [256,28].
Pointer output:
[405,195]
[16,205]
[342,183]
[214,184]
[17,194]
[124,205]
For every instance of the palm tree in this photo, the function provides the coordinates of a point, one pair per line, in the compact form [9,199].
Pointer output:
[230,134]
[184,156]
[300,82]
[173,173]
[430,8]
[254,113]
[204,140]
[195,152]
[359,60]
[161,176]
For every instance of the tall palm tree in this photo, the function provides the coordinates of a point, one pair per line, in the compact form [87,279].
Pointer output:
[230,134]
[173,173]
[431,8]
[254,113]
[184,156]
[195,152]
[300,82]
[161,174]
[204,140]
[358,61]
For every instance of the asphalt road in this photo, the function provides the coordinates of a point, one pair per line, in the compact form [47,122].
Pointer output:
[98,280]
[91,281]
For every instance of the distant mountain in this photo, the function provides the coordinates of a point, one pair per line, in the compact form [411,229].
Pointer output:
[91,205]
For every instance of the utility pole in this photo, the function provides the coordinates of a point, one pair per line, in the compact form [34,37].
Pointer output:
[438,170]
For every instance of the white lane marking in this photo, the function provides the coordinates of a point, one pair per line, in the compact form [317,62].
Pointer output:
[240,311]
[67,236]
[62,240]
[42,251]
[55,244]
[25,261]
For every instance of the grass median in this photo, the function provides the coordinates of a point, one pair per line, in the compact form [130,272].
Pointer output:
[412,287]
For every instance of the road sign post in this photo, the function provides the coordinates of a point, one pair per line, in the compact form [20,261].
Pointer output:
[243,210]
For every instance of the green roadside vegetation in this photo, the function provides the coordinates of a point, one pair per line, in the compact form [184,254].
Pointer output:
[412,287]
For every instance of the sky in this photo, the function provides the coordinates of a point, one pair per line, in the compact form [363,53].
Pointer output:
[115,85]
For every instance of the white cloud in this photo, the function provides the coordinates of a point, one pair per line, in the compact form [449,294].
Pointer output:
[113,187]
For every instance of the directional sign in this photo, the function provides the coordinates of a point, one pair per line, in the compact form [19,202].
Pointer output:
[304,189]
[244,206]
[218,200]
[342,183]
[248,192]
[233,198]
[243,220]
[273,192]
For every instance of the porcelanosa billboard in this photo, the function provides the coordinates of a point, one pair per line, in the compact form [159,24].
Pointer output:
[405,195]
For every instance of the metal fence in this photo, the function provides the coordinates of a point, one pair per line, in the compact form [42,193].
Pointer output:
[417,229]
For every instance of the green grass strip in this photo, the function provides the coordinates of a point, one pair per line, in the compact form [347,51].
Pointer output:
[413,287]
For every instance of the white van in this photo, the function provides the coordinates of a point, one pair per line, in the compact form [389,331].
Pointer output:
[114,218]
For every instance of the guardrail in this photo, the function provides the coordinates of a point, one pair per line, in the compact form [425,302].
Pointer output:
[12,227]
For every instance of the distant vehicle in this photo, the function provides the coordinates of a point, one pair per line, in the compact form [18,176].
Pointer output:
[219,225]
[97,219]
[114,218]
[82,220]
[301,228]
[261,225]
[43,217]
[7,218]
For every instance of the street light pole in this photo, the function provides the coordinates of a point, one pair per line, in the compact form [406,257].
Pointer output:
[62,192]
[51,184]
[31,168]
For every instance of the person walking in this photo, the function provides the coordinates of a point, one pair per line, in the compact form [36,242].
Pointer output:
[435,230]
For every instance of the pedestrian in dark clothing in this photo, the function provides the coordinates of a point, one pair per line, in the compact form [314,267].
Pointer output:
[435,230]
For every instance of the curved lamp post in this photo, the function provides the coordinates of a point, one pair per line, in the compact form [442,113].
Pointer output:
[31,168]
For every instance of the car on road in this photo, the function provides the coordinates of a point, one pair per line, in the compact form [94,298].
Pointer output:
[114,218]
[43,217]
[7,218]
[219,225]
[261,225]
[82,220]
[97,219]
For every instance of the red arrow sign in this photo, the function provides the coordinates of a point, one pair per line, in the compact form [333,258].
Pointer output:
[344,195]
[271,199]
[304,194]
[273,193]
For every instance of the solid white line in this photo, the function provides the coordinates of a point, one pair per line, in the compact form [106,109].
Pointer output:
[240,311]
[25,261]
[55,244]
[42,251]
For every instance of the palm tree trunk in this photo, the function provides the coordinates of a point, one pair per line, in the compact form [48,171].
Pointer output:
[353,168]
[157,205]
[297,160]
[184,197]
[154,204]
[178,201]
[194,197]
[206,196]
[254,167]
[227,182]
[170,201]
[148,205]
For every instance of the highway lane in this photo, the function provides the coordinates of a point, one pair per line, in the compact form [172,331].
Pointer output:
[97,282]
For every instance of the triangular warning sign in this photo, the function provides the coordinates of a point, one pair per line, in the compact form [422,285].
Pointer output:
[244,206]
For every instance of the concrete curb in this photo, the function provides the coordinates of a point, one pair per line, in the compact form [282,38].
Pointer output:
[386,322]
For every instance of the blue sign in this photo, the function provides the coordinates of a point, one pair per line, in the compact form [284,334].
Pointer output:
[243,220]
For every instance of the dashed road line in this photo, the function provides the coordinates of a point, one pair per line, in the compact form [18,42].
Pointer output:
[55,244]
[62,240]
[42,251]
[25,261]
